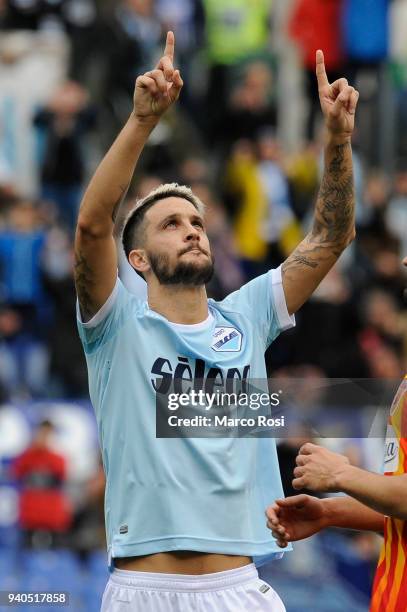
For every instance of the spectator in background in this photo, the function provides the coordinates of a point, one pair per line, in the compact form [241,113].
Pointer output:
[365,31]
[265,226]
[2,12]
[45,512]
[251,107]
[88,528]
[248,204]
[131,38]
[67,367]
[365,28]
[77,18]
[398,47]
[23,355]
[83,27]
[55,15]
[303,175]
[235,31]
[329,323]
[32,65]
[186,19]
[28,15]
[396,213]
[281,228]
[383,338]
[63,125]
[316,24]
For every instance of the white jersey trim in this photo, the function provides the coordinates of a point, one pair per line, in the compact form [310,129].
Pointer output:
[285,320]
[193,326]
[103,312]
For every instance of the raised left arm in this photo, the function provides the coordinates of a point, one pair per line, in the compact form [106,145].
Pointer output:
[334,222]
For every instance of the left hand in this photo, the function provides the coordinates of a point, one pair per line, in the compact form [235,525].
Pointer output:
[338,101]
[318,469]
[295,518]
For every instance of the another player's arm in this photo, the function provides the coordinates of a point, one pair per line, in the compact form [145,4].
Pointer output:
[95,250]
[319,469]
[334,226]
[301,516]
[349,513]
[385,494]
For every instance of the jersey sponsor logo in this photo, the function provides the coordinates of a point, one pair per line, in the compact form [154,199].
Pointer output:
[391,457]
[227,339]
[187,374]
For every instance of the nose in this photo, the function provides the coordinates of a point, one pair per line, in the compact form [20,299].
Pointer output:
[192,234]
[405,261]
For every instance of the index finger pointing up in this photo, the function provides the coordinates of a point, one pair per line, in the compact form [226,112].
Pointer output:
[320,70]
[170,45]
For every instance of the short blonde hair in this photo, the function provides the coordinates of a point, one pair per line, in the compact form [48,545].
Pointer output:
[136,214]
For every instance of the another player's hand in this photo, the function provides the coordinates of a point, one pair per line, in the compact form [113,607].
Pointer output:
[295,518]
[338,101]
[318,468]
[158,89]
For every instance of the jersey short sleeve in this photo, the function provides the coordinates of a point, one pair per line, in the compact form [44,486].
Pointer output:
[107,321]
[263,301]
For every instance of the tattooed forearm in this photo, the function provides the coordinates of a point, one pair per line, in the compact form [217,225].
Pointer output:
[308,255]
[301,259]
[335,208]
[123,191]
[84,281]
[334,215]
[332,230]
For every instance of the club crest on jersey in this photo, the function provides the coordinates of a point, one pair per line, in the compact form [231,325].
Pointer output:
[227,339]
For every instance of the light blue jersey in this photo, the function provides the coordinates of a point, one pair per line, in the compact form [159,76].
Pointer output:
[197,494]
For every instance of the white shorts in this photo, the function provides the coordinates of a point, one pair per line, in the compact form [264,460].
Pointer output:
[237,590]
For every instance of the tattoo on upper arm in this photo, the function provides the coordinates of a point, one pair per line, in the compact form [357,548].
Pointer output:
[84,279]
[123,191]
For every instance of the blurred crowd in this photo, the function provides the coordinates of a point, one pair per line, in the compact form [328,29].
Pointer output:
[246,136]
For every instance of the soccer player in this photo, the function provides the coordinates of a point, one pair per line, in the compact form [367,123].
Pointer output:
[185,517]
[374,502]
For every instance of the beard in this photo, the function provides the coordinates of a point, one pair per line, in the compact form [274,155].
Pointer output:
[184,273]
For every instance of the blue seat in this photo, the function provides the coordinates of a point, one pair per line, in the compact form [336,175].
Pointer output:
[97,564]
[8,560]
[92,596]
[10,538]
[9,581]
[55,562]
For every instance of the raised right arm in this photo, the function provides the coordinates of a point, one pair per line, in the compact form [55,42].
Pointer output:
[95,250]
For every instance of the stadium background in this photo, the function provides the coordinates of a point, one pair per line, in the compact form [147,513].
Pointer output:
[246,136]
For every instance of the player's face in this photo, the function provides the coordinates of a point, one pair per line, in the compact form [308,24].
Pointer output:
[177,245]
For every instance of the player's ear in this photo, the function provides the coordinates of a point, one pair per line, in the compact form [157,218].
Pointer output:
[138,260]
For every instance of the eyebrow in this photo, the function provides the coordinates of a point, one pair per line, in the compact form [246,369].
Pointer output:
[172,216]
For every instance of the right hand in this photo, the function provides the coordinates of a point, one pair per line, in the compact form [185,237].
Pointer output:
[158,89]
[295,518]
